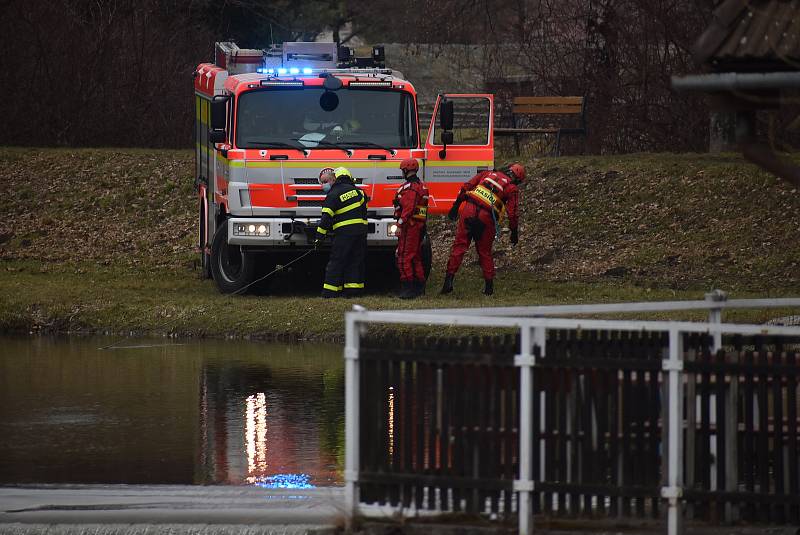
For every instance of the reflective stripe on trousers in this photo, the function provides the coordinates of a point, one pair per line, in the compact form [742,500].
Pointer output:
[346,266]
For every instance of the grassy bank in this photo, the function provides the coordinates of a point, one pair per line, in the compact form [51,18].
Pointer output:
[103,241]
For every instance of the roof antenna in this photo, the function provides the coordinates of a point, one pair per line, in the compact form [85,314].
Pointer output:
[271,40]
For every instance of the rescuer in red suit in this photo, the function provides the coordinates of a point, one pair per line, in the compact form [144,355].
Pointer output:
[411,212]
[482,202]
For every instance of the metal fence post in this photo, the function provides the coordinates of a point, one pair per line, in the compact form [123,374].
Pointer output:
[715,314]
[731,415]
[524,485]
[672,492]
[351,463]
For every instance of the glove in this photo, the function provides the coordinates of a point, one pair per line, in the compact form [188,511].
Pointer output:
[453,213]
[514,236]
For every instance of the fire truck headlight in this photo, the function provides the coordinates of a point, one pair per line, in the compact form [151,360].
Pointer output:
[307,70]
[391,229]
[251,229]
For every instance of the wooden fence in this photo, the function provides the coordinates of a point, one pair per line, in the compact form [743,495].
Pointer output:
[742,436]
[439,423]
[574,417]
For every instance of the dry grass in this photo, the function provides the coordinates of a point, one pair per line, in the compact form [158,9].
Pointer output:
[103,240]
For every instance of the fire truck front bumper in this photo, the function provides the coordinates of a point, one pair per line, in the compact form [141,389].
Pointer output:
[288,232]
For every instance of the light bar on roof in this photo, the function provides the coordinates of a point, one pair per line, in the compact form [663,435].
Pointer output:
[282,83]
[376,83]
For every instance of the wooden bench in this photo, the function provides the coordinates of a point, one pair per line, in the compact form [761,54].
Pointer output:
[523,106]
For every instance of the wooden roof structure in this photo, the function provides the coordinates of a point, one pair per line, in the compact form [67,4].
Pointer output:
[751,57]
[752,35]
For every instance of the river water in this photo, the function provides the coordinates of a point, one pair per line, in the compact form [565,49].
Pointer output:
[151,411]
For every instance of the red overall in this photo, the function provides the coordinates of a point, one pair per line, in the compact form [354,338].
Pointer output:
[411,208]
[486,192]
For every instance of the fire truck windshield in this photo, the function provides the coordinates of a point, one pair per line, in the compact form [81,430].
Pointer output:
[359,117]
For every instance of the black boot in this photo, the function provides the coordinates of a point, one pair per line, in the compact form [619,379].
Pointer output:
[419,287]
[488,287]
[447,287]
[406,290]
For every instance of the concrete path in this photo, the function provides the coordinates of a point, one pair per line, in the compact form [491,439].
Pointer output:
[134,509]
[228,510]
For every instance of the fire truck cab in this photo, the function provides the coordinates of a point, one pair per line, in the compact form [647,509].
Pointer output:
[267,123]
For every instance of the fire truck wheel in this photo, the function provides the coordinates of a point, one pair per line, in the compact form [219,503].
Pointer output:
[427,255]
[231,267]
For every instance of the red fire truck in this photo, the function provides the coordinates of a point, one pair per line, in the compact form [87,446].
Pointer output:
[267,122]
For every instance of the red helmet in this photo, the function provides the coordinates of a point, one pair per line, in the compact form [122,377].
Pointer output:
[518,171]
[409,164]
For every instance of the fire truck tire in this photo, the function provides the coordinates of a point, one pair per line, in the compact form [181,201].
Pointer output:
[231,266]
[427,255]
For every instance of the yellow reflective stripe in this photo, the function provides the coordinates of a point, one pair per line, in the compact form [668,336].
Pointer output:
[353,284]
[203,111]
[327,211]
[302,164]
[331,287]
[334,164]
[484,195]
[349,207]
[349,222]
[321,230]
[347,195]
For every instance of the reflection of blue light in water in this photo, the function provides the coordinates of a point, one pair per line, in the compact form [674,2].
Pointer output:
[284,481]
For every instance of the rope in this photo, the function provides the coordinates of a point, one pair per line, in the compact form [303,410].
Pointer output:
[279,268]
[494,218]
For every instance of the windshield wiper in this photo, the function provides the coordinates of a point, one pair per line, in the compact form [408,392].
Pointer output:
[279,145]
[324,143]
[370,144]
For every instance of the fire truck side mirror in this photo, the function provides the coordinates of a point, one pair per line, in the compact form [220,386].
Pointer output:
[446,115]
[446,125]
[219,113]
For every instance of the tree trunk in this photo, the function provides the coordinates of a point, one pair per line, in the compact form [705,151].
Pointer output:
[722,132]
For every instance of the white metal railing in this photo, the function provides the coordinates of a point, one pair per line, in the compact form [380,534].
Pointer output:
[533,323]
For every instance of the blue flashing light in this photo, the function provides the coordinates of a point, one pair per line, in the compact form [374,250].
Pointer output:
[281,71]
[307,70]
[294,70]
[270,71]
[260,70]
[285,481]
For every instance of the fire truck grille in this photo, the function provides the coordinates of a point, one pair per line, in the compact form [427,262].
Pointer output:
[311,203]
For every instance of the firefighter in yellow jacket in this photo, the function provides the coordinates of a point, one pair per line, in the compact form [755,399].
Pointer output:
[344,214]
